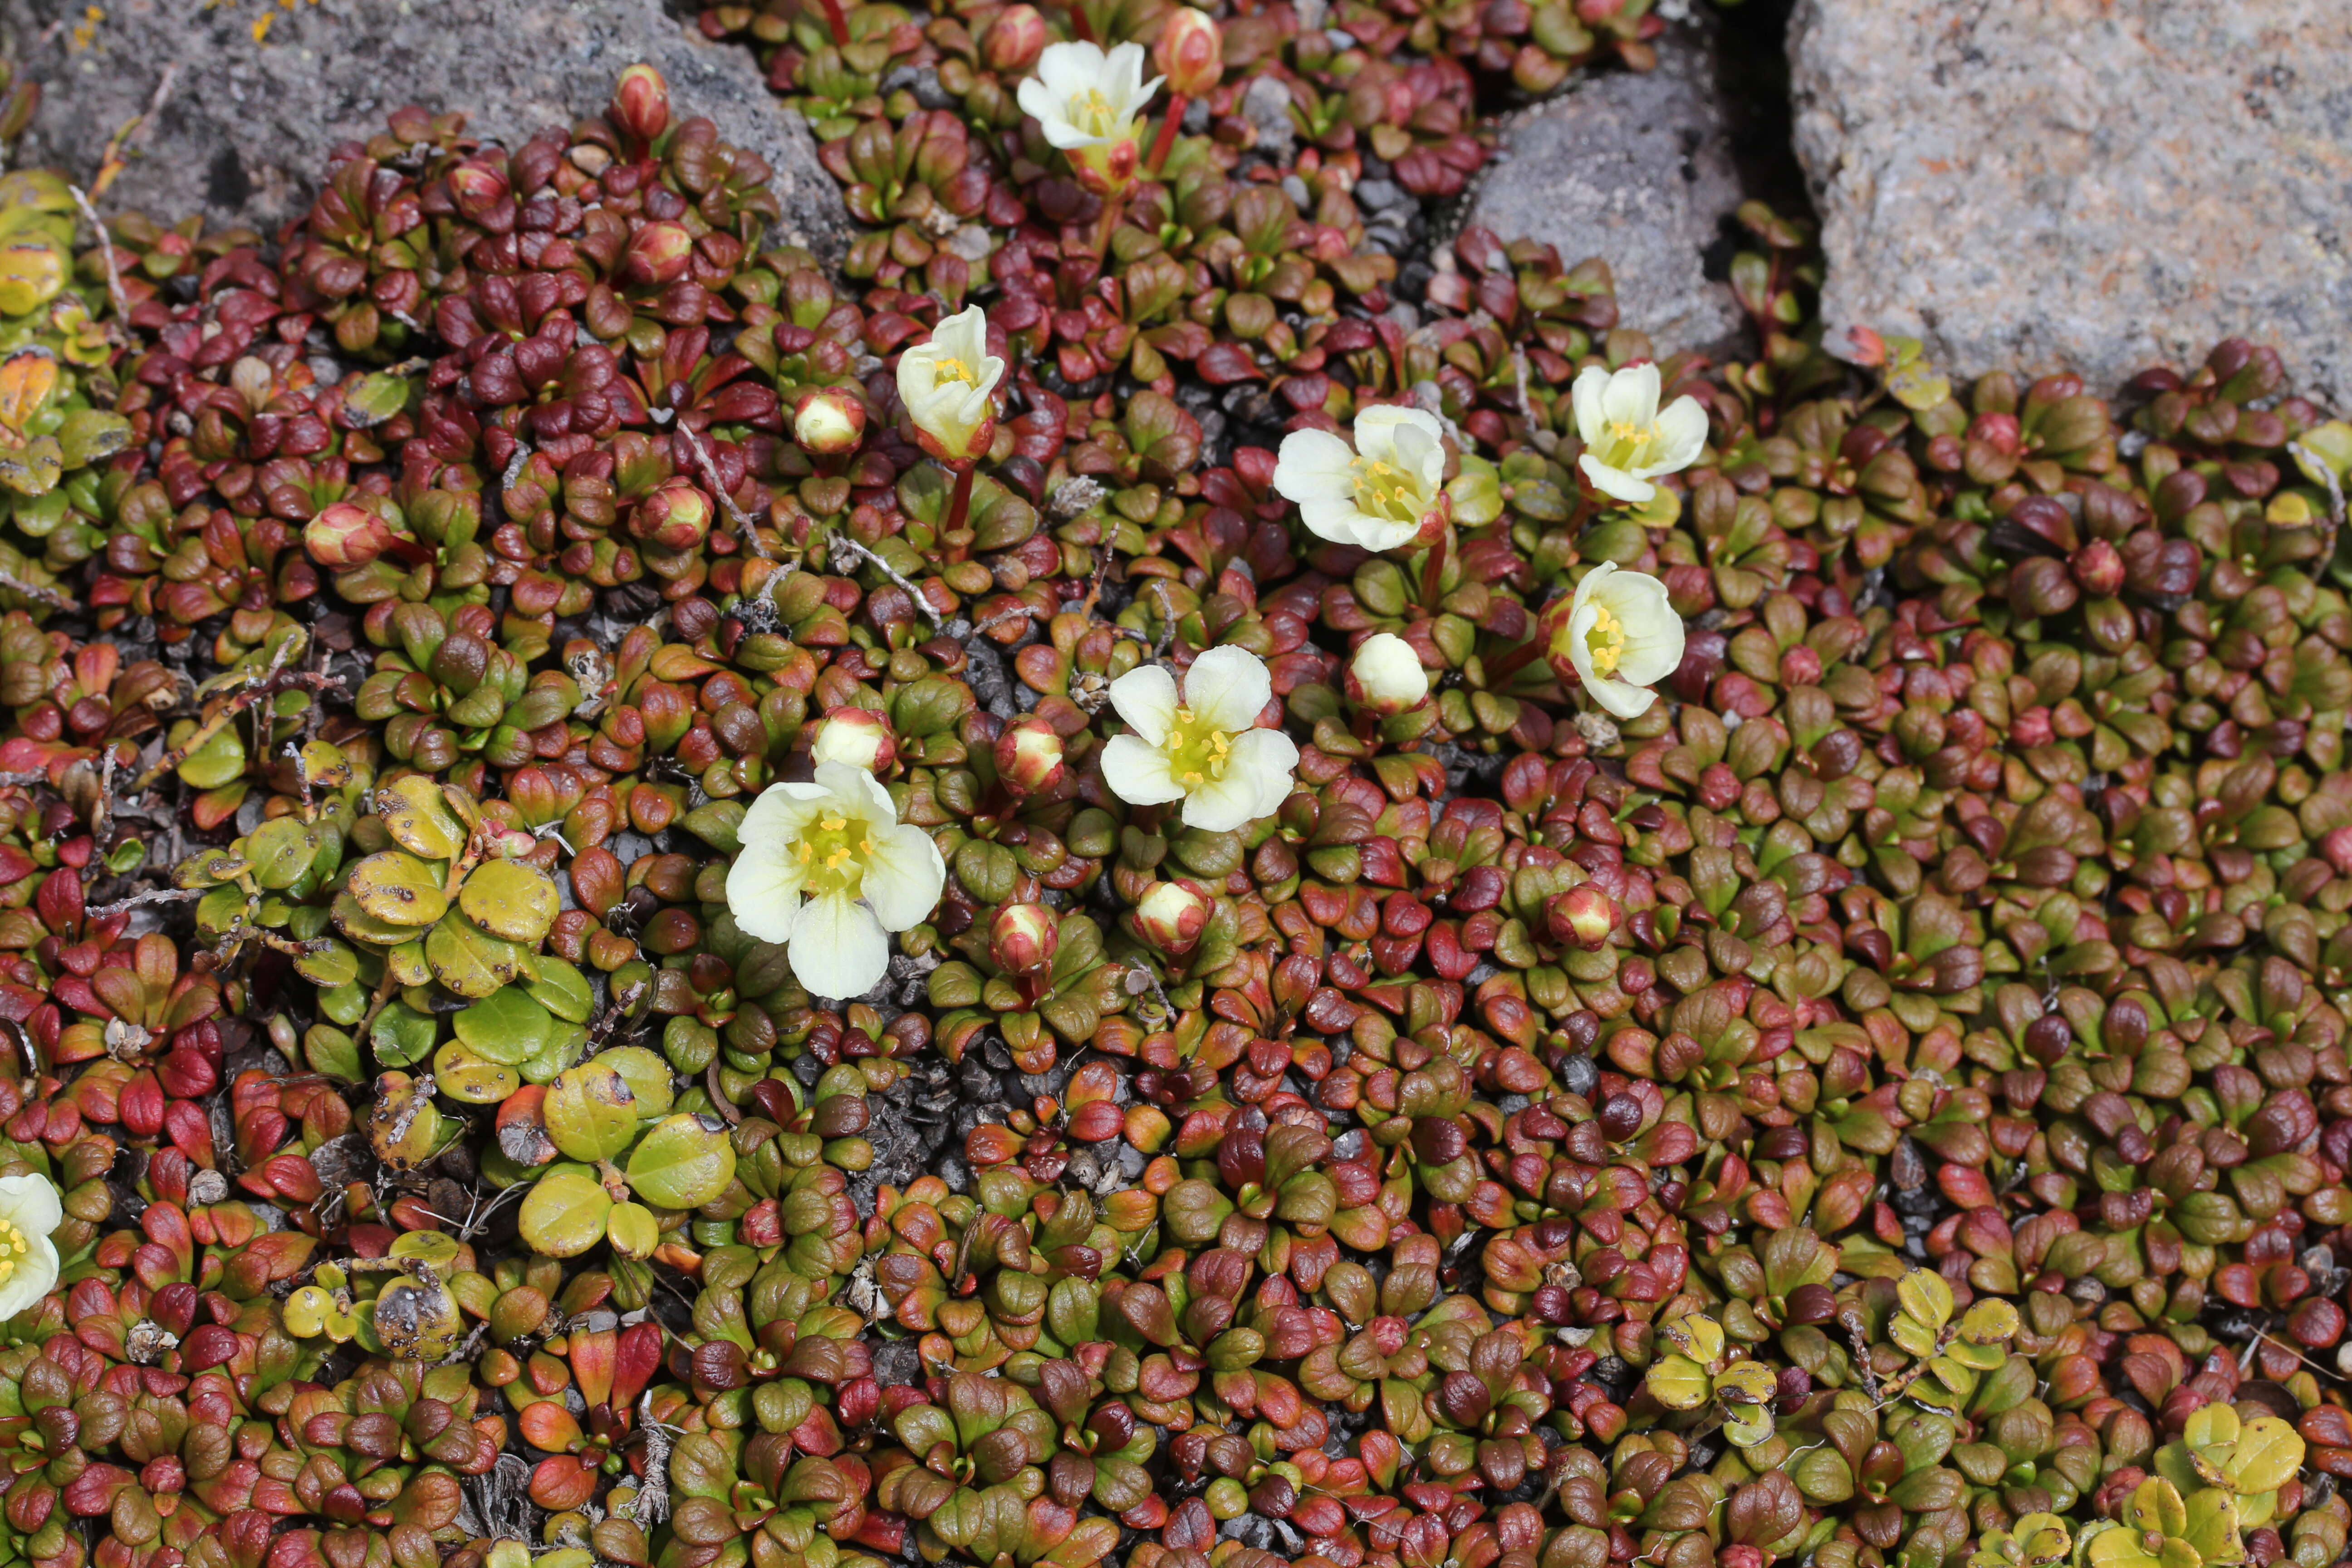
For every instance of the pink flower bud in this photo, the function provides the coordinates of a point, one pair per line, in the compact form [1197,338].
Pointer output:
[658,252]
[1583,915]
[477,189]
[857,737]
[641,104]
[345,536]
[1024,937]
[2336,846]
[1029,756]
[2099,567]
[2001,432]
[828,420]
[1014,41]
[1170,916]
[675,517]
[1190,53]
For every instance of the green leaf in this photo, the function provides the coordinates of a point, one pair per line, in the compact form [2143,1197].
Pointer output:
[399,889]
[505,1026]
[510,900]
[591,1113]
[684,1163]
[401,1036]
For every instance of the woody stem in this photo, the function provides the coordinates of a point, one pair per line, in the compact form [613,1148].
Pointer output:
[1166,140]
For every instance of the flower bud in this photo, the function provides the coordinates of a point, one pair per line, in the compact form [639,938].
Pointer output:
[477,189]
[1170,916]
[658,252]
[1190,52]
[857,737]
[1386,677]
[641,102]
[675,517]
[2336,847]
[1014,41]
[1024,937]
[1029,756]
[2098,567]
[346,535]
[1583,915]
[828,420]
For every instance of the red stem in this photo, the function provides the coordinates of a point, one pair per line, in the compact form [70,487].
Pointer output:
[1114,208]
[1504,665]
[958,506]
[1434,575]
[1078,23]
[838,22]
[1167,138]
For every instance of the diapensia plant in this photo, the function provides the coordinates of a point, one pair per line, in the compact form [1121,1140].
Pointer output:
[1067,891]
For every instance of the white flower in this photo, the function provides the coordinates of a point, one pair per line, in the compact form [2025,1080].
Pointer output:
[1620,635]
[858,737]
[827,868]
[1386,675]
[1627,442]
[1205,753]
[30,1210]
[945,384]
[1086,101]
[1375,496]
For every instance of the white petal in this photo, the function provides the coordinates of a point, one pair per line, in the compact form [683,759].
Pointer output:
[35,1274]
[1271,759]
[778,812]
[845,787]
[1222,805]
[1580,621]
[1039,101]
[903,876]
[1616,482]
[1335,518]
[1682,436]
[763,889]
[1380,427]
[838,949]
[1146,698]
[917,373]
[1591,419]
[1633,395]
[1138,773]
[1421,454]
[991,370]
[1624,702]
[1065,137]
[1654,633]
[31,1203]
[1069,69]
[1312,463]
[1378,533]
[1226,687]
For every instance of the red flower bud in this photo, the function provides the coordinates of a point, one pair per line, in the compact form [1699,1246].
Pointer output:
[1024,937]
[1170,916]
[2099,567]
[828,420]
[658,252]
[1190,52]
[2336,846]
[641,104]
[477,189]
[1014,41]
[346,535]
[1029,756]
[1583,915]
[675,517]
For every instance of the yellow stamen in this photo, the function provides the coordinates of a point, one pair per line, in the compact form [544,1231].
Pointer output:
[953,370]
[1605,643]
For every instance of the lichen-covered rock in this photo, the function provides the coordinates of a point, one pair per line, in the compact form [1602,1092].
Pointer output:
[2023,183]
[246,125]
[1636,168]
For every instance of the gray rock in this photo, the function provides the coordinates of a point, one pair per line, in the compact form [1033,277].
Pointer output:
[2096,184]
[244,132]
[1637,170]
